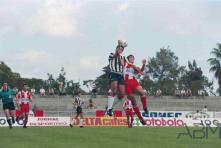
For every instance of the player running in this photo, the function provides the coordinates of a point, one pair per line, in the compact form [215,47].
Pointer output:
[132,85]
[78,102]
[116,66]
[128,108]
[7,96]
[23,101]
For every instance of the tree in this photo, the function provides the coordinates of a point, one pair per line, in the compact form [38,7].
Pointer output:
[14,79]
[215,63]
[193,79]
[102,82]
[164,71]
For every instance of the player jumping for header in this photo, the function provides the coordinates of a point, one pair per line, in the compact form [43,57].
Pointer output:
[132,85]
[116,62]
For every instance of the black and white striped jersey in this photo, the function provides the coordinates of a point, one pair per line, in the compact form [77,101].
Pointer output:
[78,101]
[115,63]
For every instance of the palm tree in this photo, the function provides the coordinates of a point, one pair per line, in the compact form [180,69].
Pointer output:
[215,64]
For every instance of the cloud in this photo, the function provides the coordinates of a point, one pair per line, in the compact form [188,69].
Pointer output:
[37,63]
[123,7]
[90,62]
[50,17]
[31,56]
[55,18]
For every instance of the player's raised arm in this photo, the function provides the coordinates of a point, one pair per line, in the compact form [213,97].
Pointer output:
[144,61]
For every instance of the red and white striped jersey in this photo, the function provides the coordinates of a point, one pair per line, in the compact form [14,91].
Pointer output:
[127,104]
[129,71]
[24,97]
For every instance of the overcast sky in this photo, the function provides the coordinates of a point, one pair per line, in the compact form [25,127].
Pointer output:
[40,36]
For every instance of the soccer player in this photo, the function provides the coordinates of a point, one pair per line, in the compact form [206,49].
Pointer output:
[116,66]
[7,96]
[128,108]
[78,102]
[132,85]
[23,101]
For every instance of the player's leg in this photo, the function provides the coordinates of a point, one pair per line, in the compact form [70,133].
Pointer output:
[26,113]
[71,119]
[75,119]
[7,115]
[132,118]
[12,112]
[121,87]
[136,108]
[128,117]
[143,97]
[21,115]
[114,89]
[81,124]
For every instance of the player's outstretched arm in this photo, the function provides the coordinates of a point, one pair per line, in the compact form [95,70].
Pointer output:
[144,61]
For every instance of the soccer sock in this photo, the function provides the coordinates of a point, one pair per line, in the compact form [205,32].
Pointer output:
[110,102]
[9,121]
[25,121]
[137,111]
[81,122]
[131,119]
[13,120]
[128,120]
[144,102]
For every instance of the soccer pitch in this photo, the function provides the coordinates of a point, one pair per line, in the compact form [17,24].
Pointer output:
[102,137]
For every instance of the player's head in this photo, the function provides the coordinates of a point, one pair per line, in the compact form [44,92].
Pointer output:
[5,86]
[130,58]
[25,87]
[119,50]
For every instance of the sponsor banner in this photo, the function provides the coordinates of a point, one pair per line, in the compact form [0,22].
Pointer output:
[102,121]
[40,121]
[179,122]
[178,114]
[116,121]
[49,121]
[161,122]
[211,122]
[3,122]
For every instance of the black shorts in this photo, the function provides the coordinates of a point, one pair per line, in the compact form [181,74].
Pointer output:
[79,110]
[117,77]
[9,105]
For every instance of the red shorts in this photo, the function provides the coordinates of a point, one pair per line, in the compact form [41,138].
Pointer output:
[129,112]
[24,108]
[131,85]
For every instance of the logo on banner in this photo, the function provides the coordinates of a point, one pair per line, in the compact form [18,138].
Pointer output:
[160,122]
[197,115]
[159,114]
[103,121]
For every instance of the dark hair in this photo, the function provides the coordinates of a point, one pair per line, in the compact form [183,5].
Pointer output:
[121,47]
[130,56]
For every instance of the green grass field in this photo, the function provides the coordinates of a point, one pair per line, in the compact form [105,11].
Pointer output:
[102,137]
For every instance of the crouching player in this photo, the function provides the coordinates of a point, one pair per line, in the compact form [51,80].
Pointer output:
[132,85]
[128,108]
[78,102]
[23,101]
